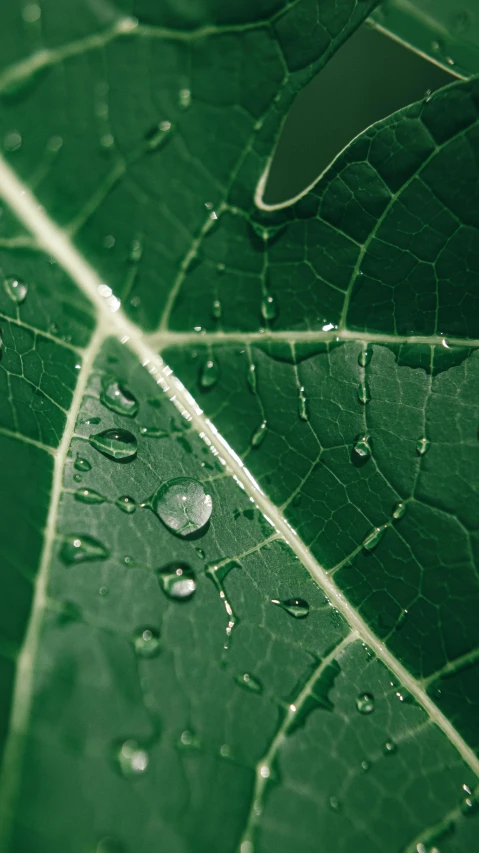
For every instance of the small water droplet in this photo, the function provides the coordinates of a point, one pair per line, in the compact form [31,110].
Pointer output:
[184,98]
[296,607]
[365,357]
[16,289]
[209,374]
[303,405]
[373,539]
[184,505]
[251,377]
[77,478]
[216,310]
[389,747]
[364,394]
[269,308]
[437,46]
[136,251]
[399,511]
[259,435]
[177,581]
[146,642]
[365,766]
[362,447]
[201,554]
[126,503]
[334,804]
[401,619]
[132,758]
[117,444]
[427,96]
[365,703]
[89,496]
[249,682]
[118,399]
[154,432]
[78,548]
[422,446]
[81,464]
[12,141]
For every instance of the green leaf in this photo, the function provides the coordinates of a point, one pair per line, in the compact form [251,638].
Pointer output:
[238,600]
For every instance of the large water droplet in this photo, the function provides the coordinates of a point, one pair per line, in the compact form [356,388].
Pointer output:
[177,581]
[269,308]
[79,548]
[296,607]
[132,759]
[126,504]
[249,682]
[209,374]
[364,357]
[364,394]
[373,539]
[365,703]
[422,446]
[362,447]
[184,505]
[399,511]
[119,399]
[89,496]
[259,435]
[146,642]
[117,444]
[16,289]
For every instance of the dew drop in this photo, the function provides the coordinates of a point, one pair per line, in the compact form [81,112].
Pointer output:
[364,394]
[251,377]
[177,581]
[365,703]
[154,432]
[334,804]
[117,444]
[77,478]
[427,96]
[118,399]
[249,682]
[362,447]
[365,766]
[81,464]
[209,374]
[126,504]
[89,496]
[269,309]
[183,504]
[259,435]
[200,553]
[373,539]
[399,511]
[216,310]
[364,357]
[146,642]
[469,806]
[136,251]
[103,590]
[16,289]
[132,759]
[389,747]
[184,98]
[422,446]
[298,608]
[303,405]
[77,548]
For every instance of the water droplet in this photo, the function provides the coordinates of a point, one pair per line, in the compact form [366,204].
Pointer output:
[184,98]
[269,308]
[217,573]
[117,444]
[154,432]
[427,96]
[183,504]
[89,496]
[365,357]
[81,464]
[303,405]
[136,251]
[146,642]
[365,703]
[389,747]
[77,478]
[259,435]
[103,590]
[401,619]
[374,538]
[201,554]
[12,141]
[118,399]
[209,373]
[334,804]
[422,446]
[362,447]
[251,377]
[364,394]
[365,766]
[399,511]
[189,740]
[177,581]
[126,503]
[249,682]
[132,759]
[16,289]
[78,549]
[296,607]
[216,310]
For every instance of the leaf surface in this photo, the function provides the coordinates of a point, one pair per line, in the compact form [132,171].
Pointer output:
[313,679]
